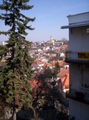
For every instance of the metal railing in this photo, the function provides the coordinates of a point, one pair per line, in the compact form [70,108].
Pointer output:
[77,56]
[79,96]
[71,55]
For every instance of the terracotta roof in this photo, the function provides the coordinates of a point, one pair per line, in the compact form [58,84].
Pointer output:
[64,75]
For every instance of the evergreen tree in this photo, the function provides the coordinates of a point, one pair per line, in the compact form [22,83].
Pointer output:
[16,70]
[56,69]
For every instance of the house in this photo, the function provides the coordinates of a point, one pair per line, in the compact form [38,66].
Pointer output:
[64,77]
[78,59]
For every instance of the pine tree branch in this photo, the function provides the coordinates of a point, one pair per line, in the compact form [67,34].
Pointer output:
[4,33]
[26,7]
[3,7]
[25,1]
[30,27]
[27,18]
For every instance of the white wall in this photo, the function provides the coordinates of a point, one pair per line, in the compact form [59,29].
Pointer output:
[79,77]
[78,18]
[79,40]
[75,77]
[79,110]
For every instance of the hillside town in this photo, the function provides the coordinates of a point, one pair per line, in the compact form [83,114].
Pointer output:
[47,54]
[44,77]
[50,74]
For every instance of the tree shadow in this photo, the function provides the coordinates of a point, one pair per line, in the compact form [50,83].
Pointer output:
[49,101]
[25,114]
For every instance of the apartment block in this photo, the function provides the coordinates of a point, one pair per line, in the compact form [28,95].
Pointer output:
[78,58]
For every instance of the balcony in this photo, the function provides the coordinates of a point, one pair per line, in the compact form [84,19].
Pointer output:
[79,96]
[77,57]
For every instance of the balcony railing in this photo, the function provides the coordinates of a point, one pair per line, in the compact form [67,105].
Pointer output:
[77,57]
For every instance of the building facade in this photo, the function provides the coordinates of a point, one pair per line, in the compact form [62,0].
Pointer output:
[78,59]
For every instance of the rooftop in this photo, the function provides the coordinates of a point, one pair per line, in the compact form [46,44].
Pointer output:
[78,20]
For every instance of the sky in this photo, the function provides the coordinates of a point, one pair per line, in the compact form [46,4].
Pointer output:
[50,16]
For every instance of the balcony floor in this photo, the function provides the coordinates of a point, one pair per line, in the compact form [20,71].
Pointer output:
[77,61]
[79,96]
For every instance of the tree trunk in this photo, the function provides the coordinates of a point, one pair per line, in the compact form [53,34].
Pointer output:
[13,111]
[35,114]
[14,116]
[7,113]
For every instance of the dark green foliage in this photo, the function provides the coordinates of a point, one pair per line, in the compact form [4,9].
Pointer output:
[48,100]
[56,69]
[16,72]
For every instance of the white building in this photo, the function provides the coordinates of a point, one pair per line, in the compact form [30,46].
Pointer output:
[78,58]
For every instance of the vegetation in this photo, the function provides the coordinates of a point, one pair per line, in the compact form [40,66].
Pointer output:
[16,72]
[48,101]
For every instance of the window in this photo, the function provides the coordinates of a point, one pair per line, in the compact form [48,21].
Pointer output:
[85,76]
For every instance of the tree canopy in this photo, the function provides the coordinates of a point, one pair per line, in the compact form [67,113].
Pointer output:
[16,70]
